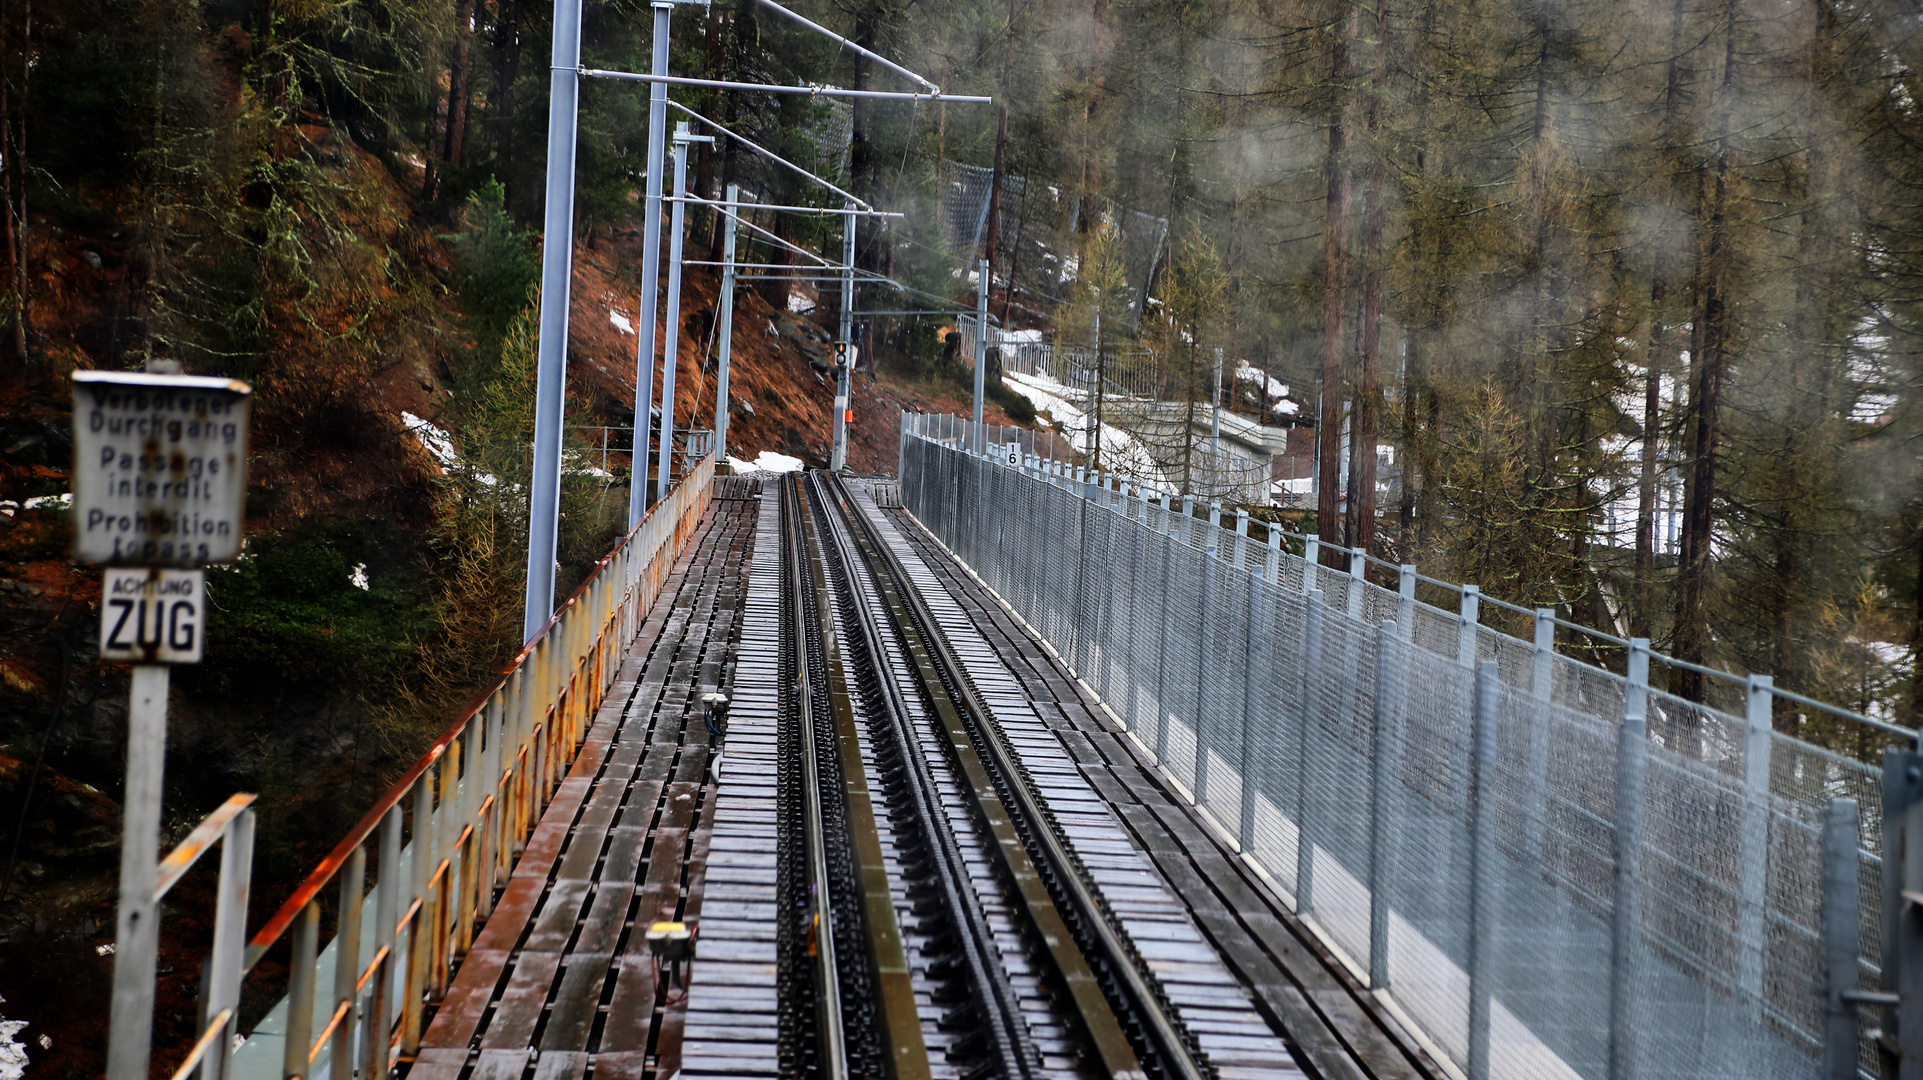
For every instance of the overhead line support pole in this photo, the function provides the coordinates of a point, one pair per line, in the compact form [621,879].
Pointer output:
[650,271]
[981,354]
[557,269]
[844,382]
[664,465]
[728,230]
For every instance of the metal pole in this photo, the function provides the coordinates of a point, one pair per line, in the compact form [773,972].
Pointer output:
[557,272]
[230,937]
[1471,613]
[137,929]
[1482,866]
[1304,719]
[1753,865]
[671,329]
[1632,764]
[1842,930]
[1215,413]
[1383,808]
[728,230]
[1542,686]
[1406,601]
[1901,1052]
[844,378]
[981,352]
[650,269]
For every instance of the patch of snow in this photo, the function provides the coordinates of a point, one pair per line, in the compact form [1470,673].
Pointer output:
[439,444]
[767,461]
[104,950]
[358,577]
[620,322]
[9,507]
[13,1055]
[50,501]
[800,304]
[1245,373]
[1285,407]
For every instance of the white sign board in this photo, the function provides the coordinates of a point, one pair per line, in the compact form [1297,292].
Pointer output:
[150,615]
[1012,455]
[159,468]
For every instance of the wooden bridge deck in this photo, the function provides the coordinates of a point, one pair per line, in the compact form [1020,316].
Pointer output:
[562,963]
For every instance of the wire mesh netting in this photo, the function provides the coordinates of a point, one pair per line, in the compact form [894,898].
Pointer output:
[1544,888]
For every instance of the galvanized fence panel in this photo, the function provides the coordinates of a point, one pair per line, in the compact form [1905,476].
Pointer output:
[1550,869]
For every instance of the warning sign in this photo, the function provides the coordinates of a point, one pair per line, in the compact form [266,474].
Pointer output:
[159,468]
[151,615]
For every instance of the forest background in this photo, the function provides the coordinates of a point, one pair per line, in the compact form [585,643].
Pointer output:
[1552,256]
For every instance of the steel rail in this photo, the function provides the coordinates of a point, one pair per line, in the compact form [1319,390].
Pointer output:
[946,682]
[973,934]
[821,923]
[893,987]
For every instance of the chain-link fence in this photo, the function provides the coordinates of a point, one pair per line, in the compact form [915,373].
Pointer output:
[1550,869]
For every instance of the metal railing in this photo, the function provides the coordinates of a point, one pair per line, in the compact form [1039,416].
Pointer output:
[1547,868]
[598,444]
[442,839]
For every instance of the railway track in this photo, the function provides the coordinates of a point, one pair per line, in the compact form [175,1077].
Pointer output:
[934,916]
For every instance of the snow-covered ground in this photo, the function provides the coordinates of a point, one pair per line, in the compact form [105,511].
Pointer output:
[439,444]
[1119,449]
[620,322]
[767,461]
[13,1054]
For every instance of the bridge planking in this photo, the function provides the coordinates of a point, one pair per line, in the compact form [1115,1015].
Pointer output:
[621,845]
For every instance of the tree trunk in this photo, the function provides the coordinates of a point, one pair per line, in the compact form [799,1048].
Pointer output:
[457,89]
[1362,455]
[1335,294]
[1699,510]
[1645,572]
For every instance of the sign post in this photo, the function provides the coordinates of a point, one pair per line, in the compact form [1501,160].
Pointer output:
[159,487]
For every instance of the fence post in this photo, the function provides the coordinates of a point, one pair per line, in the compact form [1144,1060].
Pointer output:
[1358,577]
[1406,600]
[1901,1048]
[1842,936]
[1272,559]
[1203,648]
[1383,804]
[1311,552]
[1466,632]
[1632,762]
[1754,866]
[230,938]
[347,962]
[1251,684]
[1542,686]
[1305,712]
[387,911]
[300,992]
[1482,865]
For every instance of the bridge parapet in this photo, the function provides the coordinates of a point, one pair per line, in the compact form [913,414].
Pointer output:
[1547,866]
